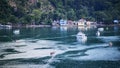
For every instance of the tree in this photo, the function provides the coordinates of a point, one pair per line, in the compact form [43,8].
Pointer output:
[71,15]
[36,15]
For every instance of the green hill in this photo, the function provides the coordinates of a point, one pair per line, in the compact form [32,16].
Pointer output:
[45,11]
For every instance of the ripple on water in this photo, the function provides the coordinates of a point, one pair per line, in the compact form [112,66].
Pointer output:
[8,51]
[42,48]
[98,52]
[109,38]
[111,54]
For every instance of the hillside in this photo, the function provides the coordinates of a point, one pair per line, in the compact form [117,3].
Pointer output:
[45,11]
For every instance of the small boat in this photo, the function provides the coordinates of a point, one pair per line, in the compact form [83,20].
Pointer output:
[81,37]
[98,33]
[16,31]
[100,29]
[5,26]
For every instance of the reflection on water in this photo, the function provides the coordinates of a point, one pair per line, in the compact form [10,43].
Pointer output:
[33,47]
[63,31]
[63,28]
[116,28]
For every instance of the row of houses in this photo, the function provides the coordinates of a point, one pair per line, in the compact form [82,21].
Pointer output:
[5,26]
[81,22]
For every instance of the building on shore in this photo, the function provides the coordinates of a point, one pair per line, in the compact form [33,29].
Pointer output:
[89,23]
[55,23]
[82,22]
[71,23]
[63,22]
[5,26]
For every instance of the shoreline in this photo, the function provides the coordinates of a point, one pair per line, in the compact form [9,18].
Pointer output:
[108,25]
[35,26]
[30,26]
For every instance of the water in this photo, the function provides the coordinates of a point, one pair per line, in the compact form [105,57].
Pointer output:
[32,48]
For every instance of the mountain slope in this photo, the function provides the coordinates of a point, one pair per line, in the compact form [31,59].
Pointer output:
[45,11]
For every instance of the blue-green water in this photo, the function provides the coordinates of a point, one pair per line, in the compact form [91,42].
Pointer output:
[31,48]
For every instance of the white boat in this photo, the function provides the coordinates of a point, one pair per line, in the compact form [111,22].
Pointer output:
[5,26]
[100,29]
[81,37]
[16,31]
[98,33]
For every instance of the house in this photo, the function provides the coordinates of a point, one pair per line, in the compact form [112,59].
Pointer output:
[71,23]
[75,22]
[81,22]
[5,26]
[55,23]
[88,23]
[63,22]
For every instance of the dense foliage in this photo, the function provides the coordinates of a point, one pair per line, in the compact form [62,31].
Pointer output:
[45,11]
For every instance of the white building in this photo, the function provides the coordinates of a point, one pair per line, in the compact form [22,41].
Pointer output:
[63,22]
[81,22]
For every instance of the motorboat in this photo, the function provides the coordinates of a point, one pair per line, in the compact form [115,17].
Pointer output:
[81,37]
[98,33]
[16,31]
[100,29]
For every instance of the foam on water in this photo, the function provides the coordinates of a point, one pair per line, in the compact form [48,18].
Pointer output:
[25,66]
[103,52]
[30,51]
[34,50]
[31,54]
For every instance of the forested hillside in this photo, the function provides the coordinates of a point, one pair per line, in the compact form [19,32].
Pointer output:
[45,11]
